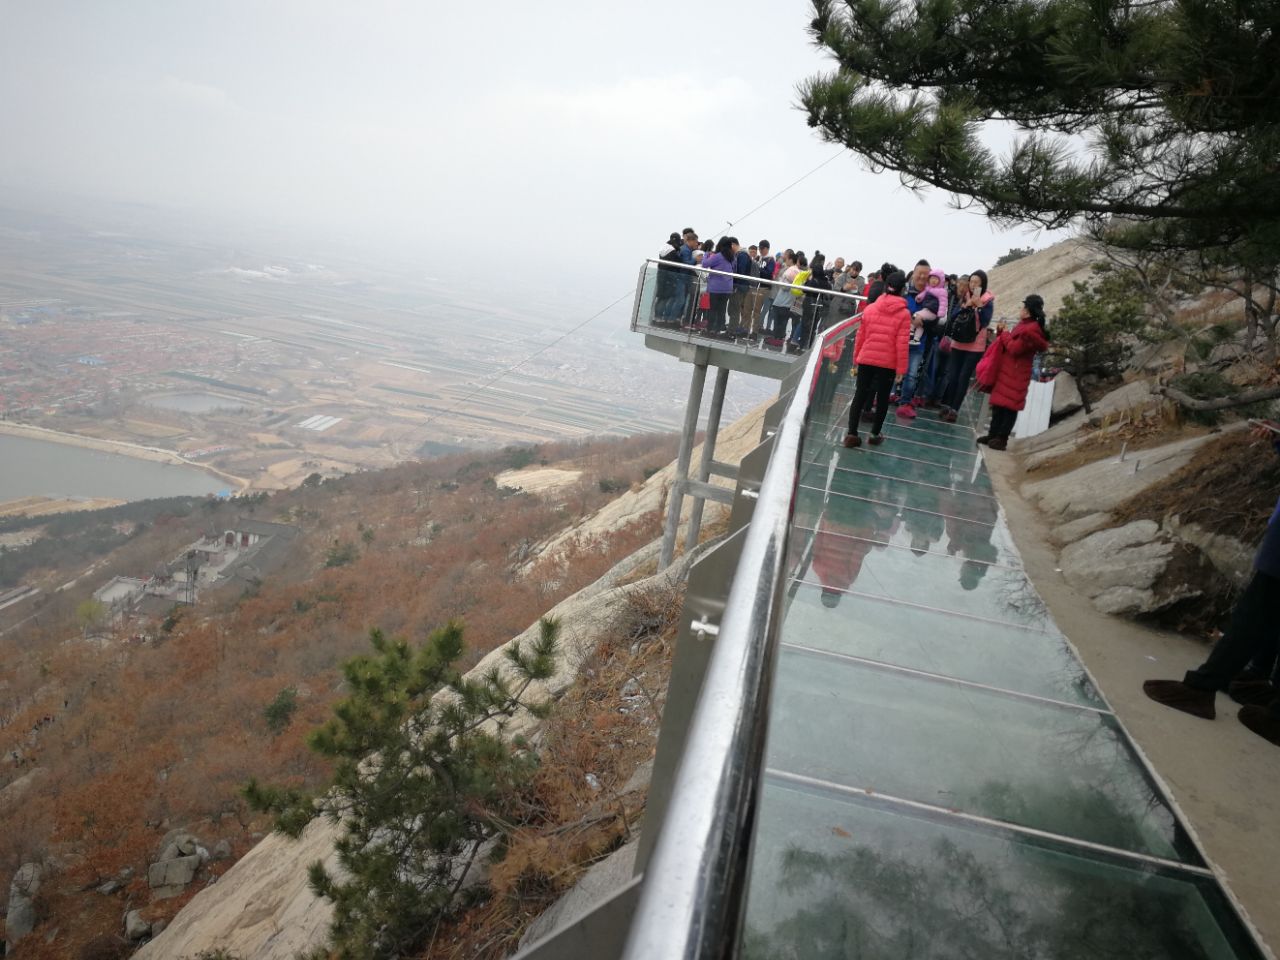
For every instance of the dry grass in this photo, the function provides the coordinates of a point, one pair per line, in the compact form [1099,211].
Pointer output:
[1229,487]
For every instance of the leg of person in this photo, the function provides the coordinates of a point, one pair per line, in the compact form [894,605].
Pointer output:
[735,309]
[719,311]
[1259,682]
[951,371]
[766,309]
[959,385]
[1254,620]
[910,382]
[883,387]
[861,390]
[1002,421]
[928,372]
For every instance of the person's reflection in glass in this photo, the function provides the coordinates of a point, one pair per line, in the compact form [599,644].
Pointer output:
[848,531]
[970,523]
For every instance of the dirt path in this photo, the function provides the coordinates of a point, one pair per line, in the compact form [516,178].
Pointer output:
[1225,779]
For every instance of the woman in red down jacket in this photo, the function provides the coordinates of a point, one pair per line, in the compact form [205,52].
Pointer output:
[880,352]
[1013,372]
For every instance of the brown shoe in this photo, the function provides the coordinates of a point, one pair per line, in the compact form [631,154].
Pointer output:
[997,443]
[875,439]
[1176,694]
[851,440]
[1252,692]
[948,416]
[1264,721]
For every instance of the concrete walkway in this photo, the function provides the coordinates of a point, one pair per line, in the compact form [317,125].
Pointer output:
[1225,779]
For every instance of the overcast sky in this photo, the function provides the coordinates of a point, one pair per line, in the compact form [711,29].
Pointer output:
[563,137]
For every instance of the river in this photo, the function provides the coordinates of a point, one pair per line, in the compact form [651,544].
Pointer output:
[32,468]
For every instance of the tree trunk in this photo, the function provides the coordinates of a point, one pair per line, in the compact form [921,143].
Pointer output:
[1220,403]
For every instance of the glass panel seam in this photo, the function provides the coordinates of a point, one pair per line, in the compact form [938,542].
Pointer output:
[998,826]
[944,678]
[924,606]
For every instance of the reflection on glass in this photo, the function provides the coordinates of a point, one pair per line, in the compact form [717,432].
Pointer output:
[1054,768]
[833,880]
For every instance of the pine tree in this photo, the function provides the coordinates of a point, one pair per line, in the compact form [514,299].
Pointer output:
[1160,118]
[425,781]
[1097,326]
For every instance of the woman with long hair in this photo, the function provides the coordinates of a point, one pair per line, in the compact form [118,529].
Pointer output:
[881,355]
[967,334]
[1012,355]
[720,284]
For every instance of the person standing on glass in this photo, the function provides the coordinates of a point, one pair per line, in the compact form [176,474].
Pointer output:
[1255,622]
[881,355]
[719,284]
[967,332]
[1012,354]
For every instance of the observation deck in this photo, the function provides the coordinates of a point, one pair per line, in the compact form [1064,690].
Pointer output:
[878,744]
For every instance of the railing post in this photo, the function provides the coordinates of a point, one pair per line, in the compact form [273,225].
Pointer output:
[708,452]
[675,498]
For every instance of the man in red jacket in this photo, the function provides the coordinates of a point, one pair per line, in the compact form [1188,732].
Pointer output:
[881,355]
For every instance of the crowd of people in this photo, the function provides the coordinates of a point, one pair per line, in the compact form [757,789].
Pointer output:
[921,339]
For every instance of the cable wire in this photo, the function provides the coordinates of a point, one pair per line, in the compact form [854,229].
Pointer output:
[507,371]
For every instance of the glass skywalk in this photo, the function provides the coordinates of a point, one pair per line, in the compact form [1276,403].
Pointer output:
[943,780]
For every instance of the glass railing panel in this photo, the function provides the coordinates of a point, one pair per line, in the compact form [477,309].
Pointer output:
[836,878]
[937,642]
[1063,769]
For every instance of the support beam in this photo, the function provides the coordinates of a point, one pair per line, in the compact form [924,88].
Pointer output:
[675,499]
[708,454]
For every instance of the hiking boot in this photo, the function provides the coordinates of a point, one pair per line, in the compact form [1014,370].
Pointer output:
[1176,694]
[1264,721]
[997,443]
[982,439]
[947,416]
[1252,692]
[851,440]
[875,439]
[906,411]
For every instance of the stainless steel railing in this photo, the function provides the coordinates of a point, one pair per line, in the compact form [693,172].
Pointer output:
[693,897]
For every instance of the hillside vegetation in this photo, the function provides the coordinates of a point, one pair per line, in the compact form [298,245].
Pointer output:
[127,735]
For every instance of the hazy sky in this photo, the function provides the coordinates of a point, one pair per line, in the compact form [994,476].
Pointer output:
[559,138]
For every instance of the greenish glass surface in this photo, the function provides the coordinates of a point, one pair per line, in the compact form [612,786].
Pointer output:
[835,878]
[967,792]
[1001,655]
[1034,764]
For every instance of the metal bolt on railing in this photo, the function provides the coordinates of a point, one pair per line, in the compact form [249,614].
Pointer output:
[702,628]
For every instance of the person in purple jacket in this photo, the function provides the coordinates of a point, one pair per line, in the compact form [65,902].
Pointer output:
[719,284]
[1251,637]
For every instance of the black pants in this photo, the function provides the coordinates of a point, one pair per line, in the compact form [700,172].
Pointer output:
[716,315]
[1254,623]
[951,387]
[778,317]
[877,381]
[1002,420]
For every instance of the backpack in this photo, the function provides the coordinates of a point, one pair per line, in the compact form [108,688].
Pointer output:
[963,326]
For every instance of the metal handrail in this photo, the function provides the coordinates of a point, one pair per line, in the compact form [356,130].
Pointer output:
[692,903]
[667,264]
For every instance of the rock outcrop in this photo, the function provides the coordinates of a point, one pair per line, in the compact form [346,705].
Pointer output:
[20,919]
[1122,569]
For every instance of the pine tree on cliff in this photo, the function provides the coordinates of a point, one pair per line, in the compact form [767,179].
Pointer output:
[1158,118]
[423,785]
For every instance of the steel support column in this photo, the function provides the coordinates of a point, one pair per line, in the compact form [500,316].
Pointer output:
[708,454]
[675,498]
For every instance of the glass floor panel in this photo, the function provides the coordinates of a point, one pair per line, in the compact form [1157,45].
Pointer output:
[946,782]
[863,481]
[1061,769]
[836,878]
[938,643]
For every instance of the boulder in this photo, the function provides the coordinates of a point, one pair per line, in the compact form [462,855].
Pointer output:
[166,875]
[1066,397]
[135,928]
[1230,557]
[1123,570]
[1074,530]
[20,919]
[179,842]
[221,850]
[110,887]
